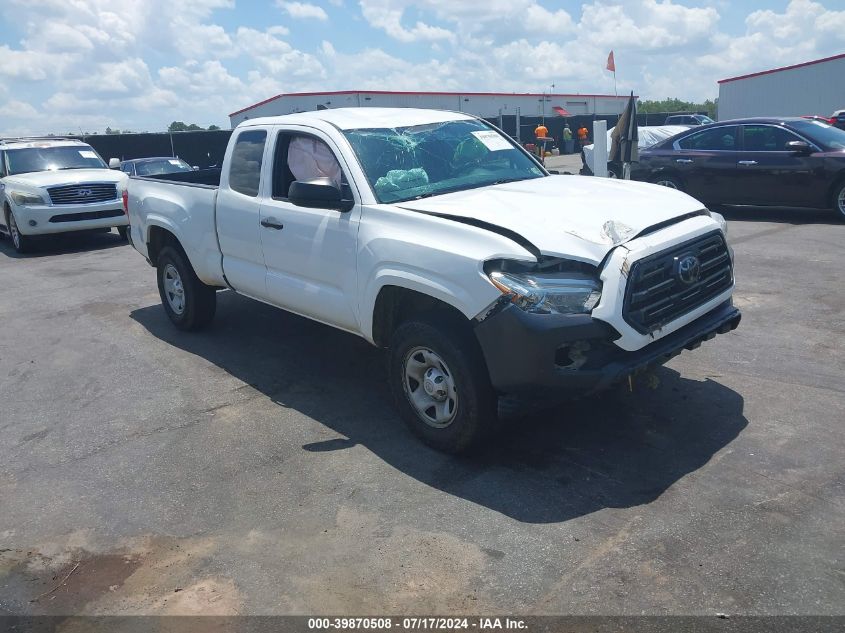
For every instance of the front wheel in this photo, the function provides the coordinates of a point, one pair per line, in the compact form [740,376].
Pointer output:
[441,386]
[21,242]
[188,302]
[839,200]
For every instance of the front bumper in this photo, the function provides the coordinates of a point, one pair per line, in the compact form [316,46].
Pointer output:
[575,353]
[65,218]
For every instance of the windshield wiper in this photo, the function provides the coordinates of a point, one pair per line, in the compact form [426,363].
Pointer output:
[504,181]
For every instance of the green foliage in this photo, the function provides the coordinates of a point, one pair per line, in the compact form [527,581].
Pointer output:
[211,128]
[180,126]
[674,104]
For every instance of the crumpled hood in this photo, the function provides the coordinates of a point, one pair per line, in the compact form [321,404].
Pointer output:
[64,177]
[576,217]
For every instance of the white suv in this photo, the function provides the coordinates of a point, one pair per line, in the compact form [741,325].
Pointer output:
[56,186]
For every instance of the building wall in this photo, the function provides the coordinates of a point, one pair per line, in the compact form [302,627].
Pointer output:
[811,89]
[488,106]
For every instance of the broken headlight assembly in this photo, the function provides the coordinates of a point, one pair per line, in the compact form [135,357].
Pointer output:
[551,287]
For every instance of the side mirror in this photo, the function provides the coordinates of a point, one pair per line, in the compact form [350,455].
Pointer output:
[799,147]
[318,193]
[114,163]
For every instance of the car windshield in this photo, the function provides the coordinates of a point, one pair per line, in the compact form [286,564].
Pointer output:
[827,136]
[419,161]
[163,166]
[704,120]
[30,159]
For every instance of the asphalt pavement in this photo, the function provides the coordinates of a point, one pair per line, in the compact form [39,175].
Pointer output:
[258,467]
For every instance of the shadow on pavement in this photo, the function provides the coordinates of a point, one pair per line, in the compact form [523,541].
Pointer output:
[63,244]
[614,451]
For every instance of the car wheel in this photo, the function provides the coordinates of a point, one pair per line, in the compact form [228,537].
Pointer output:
[668,181]
[188,302]
[839,199]
[123,231]
[440,384]
[613,172]
[21,242]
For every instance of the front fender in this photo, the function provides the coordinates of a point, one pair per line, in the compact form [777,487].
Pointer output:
[469,298]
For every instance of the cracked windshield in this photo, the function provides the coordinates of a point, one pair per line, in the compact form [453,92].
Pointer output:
[419,161]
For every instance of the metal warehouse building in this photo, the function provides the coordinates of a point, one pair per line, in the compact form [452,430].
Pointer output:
[488,105]
[816,87]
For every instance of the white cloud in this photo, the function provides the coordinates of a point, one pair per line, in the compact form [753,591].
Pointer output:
[139,65]
[303,10]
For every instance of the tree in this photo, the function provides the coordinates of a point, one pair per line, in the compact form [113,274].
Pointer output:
[674,104]
[212,128]
[180,126]
[111,131]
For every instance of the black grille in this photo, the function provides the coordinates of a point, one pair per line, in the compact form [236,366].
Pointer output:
[656,295]
[82,194]
[88,215]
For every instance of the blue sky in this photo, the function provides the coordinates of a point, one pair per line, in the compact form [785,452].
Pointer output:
[70,65]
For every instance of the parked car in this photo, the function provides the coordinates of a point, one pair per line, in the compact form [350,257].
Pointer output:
[838,119]
[688,119]
[647,136]
[156,166]
[435,236]
[819,118]
[52,185]
[785,162]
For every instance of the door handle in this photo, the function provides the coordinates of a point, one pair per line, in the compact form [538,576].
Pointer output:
[746,163]
[683,161]
[272,223]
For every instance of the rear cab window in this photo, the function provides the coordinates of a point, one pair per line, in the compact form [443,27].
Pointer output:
[245,165]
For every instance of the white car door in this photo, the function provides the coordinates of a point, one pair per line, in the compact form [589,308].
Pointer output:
[310,254]
[238,207]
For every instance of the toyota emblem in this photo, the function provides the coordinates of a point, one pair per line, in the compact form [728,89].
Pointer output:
[687,269]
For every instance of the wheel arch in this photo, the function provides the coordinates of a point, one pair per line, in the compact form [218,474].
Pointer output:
[395,304]
[158,237]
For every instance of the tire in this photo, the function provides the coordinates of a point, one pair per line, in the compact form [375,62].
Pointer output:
[22,243]
[614,171]
[462,409]
[673,182]
[123,231]
[838,200]
[188,302]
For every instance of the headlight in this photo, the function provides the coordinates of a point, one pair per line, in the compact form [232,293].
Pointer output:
[723,223]
[26,198]
[549,293]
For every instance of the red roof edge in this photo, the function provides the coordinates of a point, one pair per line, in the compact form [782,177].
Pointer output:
[777,70]
[410,92]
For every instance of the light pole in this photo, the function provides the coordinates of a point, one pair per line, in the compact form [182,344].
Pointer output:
[544,99]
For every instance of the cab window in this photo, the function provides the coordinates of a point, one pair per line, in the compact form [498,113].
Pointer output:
[245,168]
[304,157]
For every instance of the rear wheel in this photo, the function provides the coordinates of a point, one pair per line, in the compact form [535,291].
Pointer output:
[440,384]
[839,199]
[669,181]
[188,302]
[21,242]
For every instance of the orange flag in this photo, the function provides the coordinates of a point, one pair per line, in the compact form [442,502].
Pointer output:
[611,65]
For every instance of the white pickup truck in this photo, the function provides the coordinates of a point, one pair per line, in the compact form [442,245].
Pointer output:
[434,235]
[50,185]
